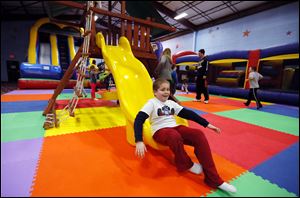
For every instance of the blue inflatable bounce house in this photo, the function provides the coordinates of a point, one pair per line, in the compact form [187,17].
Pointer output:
[228,70]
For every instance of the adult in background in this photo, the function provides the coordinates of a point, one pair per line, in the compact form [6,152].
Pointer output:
[174,79]
[201,79]
[164,70]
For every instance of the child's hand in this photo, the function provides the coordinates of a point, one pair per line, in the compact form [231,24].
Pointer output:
[140,149]
[212,127]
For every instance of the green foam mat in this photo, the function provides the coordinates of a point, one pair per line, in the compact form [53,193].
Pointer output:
[251,185]
[277,122]
[69,96]
[19,126]
[183,98]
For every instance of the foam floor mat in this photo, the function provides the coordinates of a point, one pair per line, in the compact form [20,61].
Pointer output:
[88,155]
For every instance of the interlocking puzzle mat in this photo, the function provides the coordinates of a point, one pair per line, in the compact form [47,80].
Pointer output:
[88,155]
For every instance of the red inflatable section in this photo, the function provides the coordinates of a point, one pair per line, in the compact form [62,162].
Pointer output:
[26,83]
[182,53]
[253,60]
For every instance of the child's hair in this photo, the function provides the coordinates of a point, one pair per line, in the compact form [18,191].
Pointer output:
[167,53]
[92,67]
[202,51]
[158,82]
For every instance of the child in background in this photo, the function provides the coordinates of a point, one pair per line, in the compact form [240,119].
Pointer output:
[165,131]
[93,79]
[253,79]
[184,86]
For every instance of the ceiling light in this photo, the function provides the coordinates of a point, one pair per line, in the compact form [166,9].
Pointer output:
[95,17]
[180,16]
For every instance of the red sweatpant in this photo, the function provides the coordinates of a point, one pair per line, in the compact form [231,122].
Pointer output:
[176,137]
[93,90]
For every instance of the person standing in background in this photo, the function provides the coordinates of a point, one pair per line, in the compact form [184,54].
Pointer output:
[164,70]
[201,79]
[253,78]
[174,79]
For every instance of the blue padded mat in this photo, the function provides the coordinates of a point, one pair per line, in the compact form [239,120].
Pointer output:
[286,110]
[72,90]
[24,106]
[282,169]
[196,111]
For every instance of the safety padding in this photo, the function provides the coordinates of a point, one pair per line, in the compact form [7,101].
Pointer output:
[188,58]
[231,78]
[265,96]
[40,71]
[182,54]
[35,83]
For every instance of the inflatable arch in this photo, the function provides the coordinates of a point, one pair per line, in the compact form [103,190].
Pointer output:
[44,58]
[32,50]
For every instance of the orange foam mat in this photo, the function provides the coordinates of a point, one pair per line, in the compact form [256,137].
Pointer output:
[102,163]
[213,106]
[231,102]
[193,95]
[25,97]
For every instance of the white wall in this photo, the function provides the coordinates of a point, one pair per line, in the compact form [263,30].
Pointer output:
[267,29]
[182,43]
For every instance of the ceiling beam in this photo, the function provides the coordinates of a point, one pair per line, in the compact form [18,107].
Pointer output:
[22,17]
[172,14]
[117,15]
[244,13]
[247,12]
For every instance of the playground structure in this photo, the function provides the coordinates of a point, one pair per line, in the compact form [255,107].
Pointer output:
[129,73]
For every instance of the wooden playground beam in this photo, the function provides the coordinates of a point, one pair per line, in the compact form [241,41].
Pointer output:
[63,82]
[121,16]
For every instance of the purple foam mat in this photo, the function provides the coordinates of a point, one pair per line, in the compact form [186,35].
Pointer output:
[18,163]
[38,91]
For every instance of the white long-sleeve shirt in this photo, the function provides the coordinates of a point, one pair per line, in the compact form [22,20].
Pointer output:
[254,77]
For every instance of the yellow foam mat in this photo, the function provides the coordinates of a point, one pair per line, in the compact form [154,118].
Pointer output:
[87,119]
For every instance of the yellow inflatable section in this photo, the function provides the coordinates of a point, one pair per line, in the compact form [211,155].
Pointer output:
[133,83]
[32,54]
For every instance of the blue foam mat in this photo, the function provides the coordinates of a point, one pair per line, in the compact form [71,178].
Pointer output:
[196,111]
[24,106]
[286,110]
[282,169]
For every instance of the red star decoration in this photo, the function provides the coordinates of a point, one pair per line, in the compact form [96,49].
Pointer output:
[289,33]
[246,33]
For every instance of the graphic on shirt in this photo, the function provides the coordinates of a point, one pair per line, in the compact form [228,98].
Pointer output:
[165,110]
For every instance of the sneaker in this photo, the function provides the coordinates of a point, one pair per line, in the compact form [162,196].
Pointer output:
[95,99]
[227,187]
[196,169]
[196,100]
[259,107]
[206,101]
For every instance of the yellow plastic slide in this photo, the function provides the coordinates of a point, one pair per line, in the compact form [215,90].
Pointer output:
[133,83]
